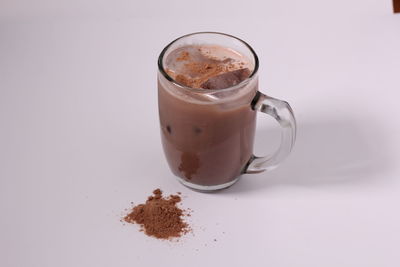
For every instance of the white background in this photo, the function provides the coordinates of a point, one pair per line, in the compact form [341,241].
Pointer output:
[79,136]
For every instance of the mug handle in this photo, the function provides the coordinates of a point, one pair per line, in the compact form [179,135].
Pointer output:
[283,114]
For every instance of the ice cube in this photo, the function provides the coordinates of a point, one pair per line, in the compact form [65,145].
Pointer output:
[227,79]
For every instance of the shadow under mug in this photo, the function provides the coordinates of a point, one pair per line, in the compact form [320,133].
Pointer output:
[208,135]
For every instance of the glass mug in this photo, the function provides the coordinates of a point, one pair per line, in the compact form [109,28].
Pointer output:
[208,135]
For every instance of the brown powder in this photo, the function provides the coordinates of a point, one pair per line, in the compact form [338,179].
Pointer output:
[199,72]
[183,79]
[160,217]
[193,65]
[183,56]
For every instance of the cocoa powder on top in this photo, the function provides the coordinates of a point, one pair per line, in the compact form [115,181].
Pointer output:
[197,72]
[160,216]
[202,71]
[183,56]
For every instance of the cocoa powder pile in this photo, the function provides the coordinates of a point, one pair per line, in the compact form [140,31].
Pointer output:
[160,216]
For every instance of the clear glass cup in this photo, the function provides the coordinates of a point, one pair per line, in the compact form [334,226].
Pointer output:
[208,135]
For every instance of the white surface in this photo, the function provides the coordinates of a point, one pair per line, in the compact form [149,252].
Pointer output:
[79,137]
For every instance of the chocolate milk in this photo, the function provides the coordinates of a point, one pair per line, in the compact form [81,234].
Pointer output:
[207,123]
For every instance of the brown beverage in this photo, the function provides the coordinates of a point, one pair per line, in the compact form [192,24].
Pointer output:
[207,122]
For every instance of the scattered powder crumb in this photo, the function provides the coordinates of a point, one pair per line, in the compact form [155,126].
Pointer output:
[183,56]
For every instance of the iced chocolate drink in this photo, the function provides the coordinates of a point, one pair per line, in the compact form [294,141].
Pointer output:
[206,141]
[208,99]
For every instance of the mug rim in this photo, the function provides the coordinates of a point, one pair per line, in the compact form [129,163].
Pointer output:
[201,90]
